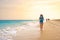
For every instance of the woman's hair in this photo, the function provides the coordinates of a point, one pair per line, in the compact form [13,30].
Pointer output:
[41,15]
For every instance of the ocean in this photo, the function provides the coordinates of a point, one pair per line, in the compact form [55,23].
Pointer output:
[23,29]
[9,28]
[12,23]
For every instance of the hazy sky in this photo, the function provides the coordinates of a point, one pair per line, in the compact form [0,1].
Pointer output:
[29,9]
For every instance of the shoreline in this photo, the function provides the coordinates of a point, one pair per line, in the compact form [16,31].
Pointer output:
[32,32]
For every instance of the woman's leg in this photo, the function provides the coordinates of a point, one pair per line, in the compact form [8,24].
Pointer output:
[41,26]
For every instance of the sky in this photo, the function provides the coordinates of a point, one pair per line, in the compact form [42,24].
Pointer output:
[29,9]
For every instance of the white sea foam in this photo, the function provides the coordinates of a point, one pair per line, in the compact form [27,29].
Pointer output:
[9,32]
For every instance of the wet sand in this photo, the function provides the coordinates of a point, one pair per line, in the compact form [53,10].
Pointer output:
[51,31]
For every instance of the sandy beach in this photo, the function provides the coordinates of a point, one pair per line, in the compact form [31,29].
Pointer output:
[51,31]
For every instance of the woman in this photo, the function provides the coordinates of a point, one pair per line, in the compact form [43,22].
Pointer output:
[41,19]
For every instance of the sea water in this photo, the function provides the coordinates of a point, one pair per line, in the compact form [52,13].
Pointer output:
[9,28]
[11,23]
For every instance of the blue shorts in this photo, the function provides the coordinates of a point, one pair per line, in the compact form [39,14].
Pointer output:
[41,21]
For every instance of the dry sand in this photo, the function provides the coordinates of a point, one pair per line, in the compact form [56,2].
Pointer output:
[51,32]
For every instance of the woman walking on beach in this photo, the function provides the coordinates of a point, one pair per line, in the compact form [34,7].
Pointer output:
[41,19]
